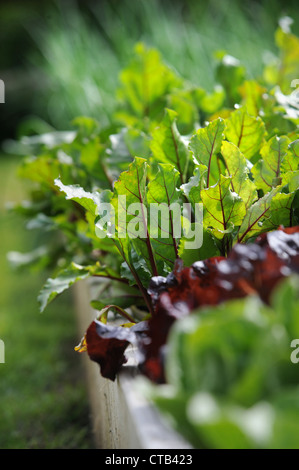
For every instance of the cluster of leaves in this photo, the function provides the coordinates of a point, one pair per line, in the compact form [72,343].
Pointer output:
[232,373]
[234,151]
[252,269]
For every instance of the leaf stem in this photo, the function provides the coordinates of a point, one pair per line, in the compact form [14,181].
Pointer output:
[138,281]
[177,154]
[122,312]
[113,278]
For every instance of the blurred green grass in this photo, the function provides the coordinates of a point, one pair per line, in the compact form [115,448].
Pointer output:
[43,393]
[78,48]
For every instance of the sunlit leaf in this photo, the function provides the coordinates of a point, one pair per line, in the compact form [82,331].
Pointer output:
[168,146]
[223,209]
[252,96]
[237,169]
[61,282]
[90,201]
[267,214]
[205,144]
[275,157]
[146,81]
[245,131]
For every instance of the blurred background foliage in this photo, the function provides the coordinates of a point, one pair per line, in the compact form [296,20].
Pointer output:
[61,59]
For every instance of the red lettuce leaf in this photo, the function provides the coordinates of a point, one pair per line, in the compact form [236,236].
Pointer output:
[254,268]
[106,345]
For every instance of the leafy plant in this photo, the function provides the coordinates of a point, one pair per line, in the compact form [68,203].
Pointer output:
[255,268]
[229,169]
[231,382]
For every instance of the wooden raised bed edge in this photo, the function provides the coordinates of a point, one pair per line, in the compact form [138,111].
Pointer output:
[121,417]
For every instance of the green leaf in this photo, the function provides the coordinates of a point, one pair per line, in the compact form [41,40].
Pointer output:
[210,103]
[205,145]
[90,201]
[123,147]
[281,209]
[86,128]
[39,257]
[92,158]
[207,249]
[130,206]
[163,187]
[63,280]
[252,96]
[162,193]
[270,211]
[195,184]
[230,73]
[223,209]
[257,219]
[184,104]
[135,267]
[42,170]
[168,146]
[282,70]
[291,179]
[289,161]
[288,44]
[130,189]
[153,227]
[146,82]
[275,157]
[238,170]
[294,162]
[211,338]
[245,131]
